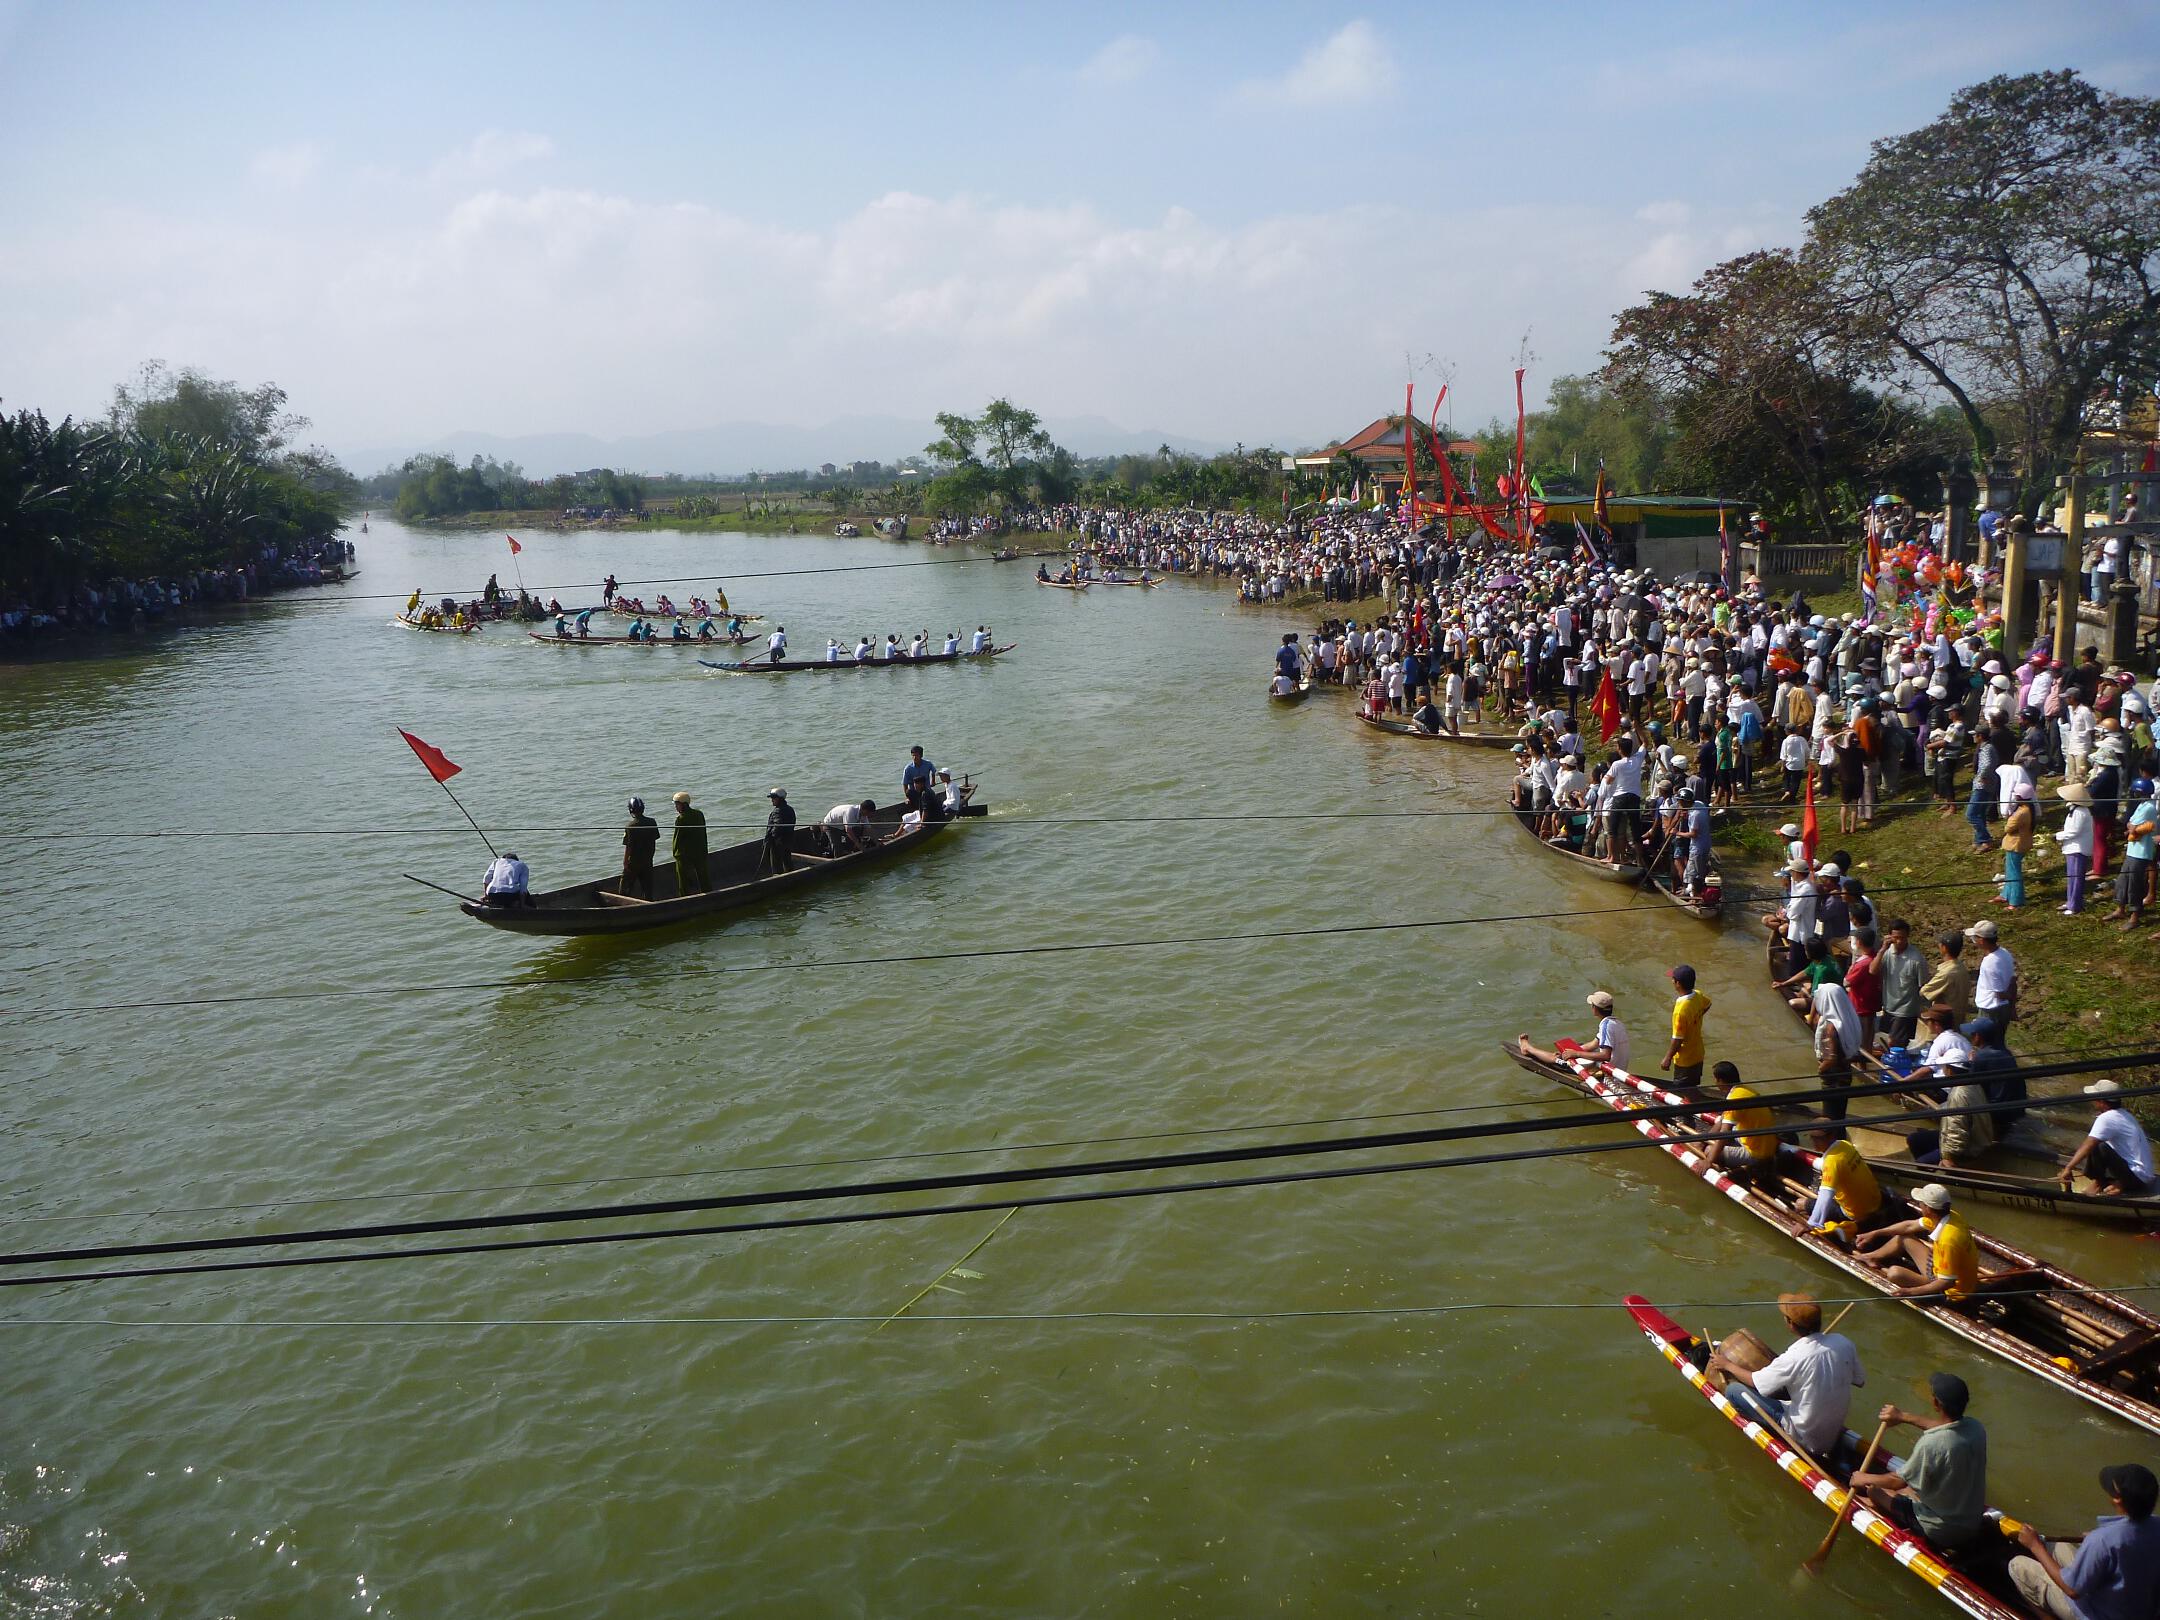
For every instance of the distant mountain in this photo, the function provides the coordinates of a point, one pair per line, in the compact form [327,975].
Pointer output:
[733,448]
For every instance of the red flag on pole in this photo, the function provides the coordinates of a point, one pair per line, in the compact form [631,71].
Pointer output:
[438,763]
[1409,448]
[1810,829]
[1606,706]
[515,548]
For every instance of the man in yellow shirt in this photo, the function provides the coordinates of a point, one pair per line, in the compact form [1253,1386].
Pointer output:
[1938,1246]
[1754,1157]
[1684,1055]
[1847,1186]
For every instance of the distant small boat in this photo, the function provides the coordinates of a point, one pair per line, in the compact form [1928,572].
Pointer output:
[548,638]
[1007,555]
[805,666]
[435,629]
[1302,691]
[1063,584]
[1469,739]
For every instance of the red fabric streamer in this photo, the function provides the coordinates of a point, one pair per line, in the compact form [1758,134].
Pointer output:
[438,763]
[1606,706]
[515,548]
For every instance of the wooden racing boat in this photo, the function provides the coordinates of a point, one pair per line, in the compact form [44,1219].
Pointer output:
[1112,579]
[1006,555]
[803,666]
[465,629]
[1705,910]
[1528,821]
[2041,1194]
[738,874]
[550,639]
[1063,584]
[1688,1354]
[1467,739]
[2097,1346]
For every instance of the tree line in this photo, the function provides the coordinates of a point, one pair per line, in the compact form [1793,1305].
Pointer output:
[185,473]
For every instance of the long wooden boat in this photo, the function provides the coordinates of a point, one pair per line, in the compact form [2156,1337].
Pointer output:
[1706,911]
[1467,739]
[1007,555]
[2096,1345]
[1064,584]
[804,666]
[2042,1195]
[1688,1354]
[465,629]
[548,638]
[615,607]
[737,872]
[1146,584]
[1527,820]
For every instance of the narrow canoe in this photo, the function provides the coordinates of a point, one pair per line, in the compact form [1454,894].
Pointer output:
[1663,883]
[803,666]
[1688,1353]
[435,629]
[1064,584]
[2042,1195]
[2096,1345]
[1304,691]
[737,873]
[1145,584]
[550,639]
[1468,739]
[620,611]
[1590,863]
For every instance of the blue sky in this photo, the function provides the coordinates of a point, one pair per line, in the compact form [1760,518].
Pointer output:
[1222,222]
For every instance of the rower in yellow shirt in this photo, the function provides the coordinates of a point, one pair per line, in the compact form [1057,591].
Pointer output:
[1939,1247]
[1754,1156]
[1848,1185]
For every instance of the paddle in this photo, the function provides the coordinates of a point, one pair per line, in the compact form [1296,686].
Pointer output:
[1841,1315]
[1813,1566]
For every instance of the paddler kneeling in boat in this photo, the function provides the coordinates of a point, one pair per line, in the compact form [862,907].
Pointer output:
[1754,1157]
[1808,1389]
[1849,1187]
[1938,1249]
[2117,1569]
[1939,1492]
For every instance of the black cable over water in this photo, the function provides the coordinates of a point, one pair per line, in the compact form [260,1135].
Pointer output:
[41,834]
[579,980]
[425,1193]
[1260,1152]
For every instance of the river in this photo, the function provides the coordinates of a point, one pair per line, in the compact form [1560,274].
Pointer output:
[528,1434]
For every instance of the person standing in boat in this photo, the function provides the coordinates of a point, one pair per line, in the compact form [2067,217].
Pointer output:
[779,832]
[776,643]
[507,883]
[917,778]
[1809,1387]
[688,847]
[607,591]
[641,839]
[1684,1052]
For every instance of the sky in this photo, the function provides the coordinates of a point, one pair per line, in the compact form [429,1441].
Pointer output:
[1243,223]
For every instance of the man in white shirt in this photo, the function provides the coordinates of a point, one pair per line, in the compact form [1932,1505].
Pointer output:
[1995,982]
[2116,1153]
[776,643]
[832,651]
[847,827]
[1610,1043]
[507,882]
[1808,1389]
[980,640]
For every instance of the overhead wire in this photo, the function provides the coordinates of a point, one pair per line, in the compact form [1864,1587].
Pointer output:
[1084,1170]
[417,1194]
[578,981]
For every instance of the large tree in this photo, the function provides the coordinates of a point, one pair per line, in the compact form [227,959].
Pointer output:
[1764,394]
[2006,255]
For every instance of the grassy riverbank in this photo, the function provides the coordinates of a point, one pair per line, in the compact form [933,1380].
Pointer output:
[2084,986]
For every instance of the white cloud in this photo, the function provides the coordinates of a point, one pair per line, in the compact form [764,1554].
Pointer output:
[1349,66]
[1672,259]
[1668,212]
[488,154]
[1124,59]
[288,166]
[528,310]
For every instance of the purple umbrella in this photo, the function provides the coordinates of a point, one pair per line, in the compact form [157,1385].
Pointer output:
[1507,582]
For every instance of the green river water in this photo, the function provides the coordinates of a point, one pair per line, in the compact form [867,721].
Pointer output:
[521,1435]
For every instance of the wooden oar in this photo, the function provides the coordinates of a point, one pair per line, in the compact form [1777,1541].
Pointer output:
[1841,1315]
[1813,1566]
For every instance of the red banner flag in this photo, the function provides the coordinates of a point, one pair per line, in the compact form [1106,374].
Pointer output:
[438,763]
[515,548]
[1409,448]
[1606,706]
[1810,829]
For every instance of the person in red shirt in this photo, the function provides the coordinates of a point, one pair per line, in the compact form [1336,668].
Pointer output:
[1864,985]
